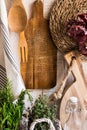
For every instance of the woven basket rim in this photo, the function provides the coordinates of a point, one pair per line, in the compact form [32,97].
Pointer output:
[42,120]
[61,12]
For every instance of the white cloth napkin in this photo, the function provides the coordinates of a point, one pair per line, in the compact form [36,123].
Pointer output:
[10,45]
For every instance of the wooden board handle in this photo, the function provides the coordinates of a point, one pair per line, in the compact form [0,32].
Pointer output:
[18,2]
[38,9]
[78,72]
[59,92]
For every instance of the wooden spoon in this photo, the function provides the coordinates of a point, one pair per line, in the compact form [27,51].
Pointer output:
[17,18]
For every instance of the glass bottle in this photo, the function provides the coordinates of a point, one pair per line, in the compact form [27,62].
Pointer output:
[73,109]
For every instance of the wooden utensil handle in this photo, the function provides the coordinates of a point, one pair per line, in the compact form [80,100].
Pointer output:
[38,9]
[77,67]
[74,66]
[59,93]
[77,70]
[18,2]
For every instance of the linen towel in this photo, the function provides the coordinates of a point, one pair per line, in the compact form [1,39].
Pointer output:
[10,41]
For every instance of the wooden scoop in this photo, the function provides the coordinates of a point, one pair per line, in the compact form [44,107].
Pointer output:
[17,18]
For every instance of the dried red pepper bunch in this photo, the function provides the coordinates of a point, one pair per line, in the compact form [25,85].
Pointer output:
[77,30]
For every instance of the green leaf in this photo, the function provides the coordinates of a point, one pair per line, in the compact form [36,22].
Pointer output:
[10,113]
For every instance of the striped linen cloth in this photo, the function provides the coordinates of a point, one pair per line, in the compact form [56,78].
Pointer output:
[2,76]
[9,41]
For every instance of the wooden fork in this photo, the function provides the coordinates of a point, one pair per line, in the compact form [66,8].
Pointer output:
[23,48]
[23,54]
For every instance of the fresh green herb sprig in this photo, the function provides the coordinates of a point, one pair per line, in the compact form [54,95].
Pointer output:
[11,113]
[42,109]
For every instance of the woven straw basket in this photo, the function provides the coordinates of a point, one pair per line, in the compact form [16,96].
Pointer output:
[42,120]
[62,11]
[52,127]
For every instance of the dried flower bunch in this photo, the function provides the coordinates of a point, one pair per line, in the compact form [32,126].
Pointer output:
[77,30]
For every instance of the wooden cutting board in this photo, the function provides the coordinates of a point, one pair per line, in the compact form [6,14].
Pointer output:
[78,88]
[42,56]
[72,91]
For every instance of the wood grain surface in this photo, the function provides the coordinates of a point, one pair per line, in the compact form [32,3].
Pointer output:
[42,56]
[78,88]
